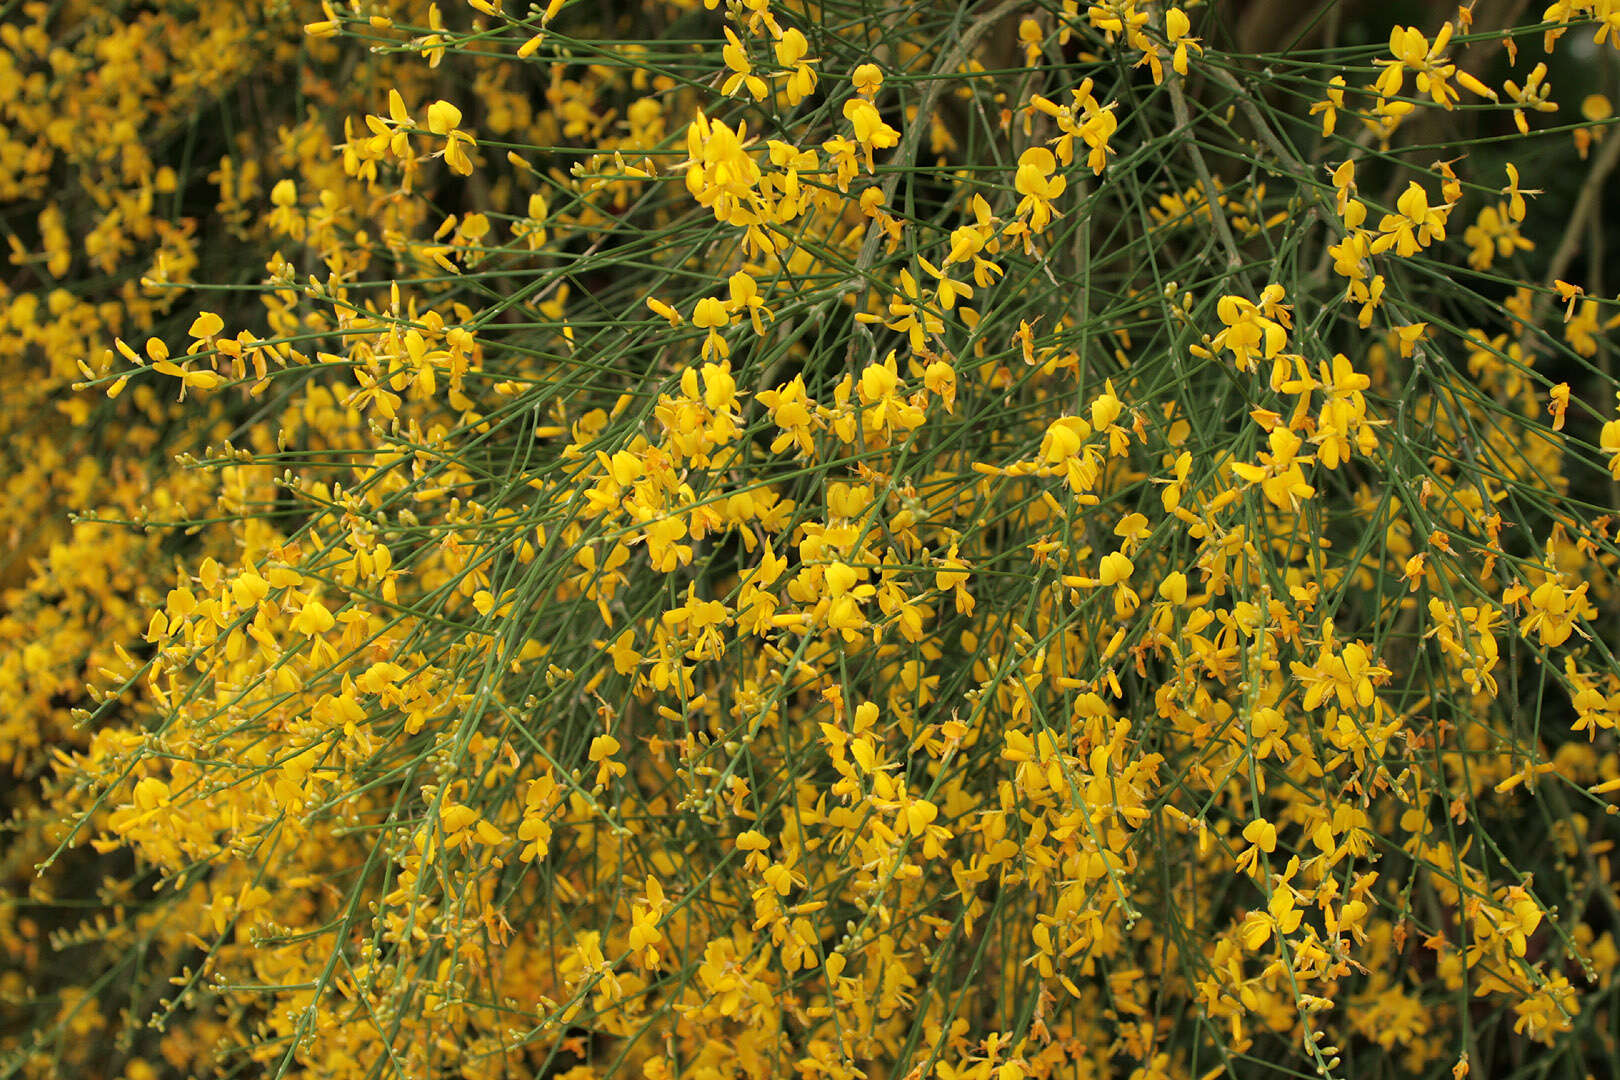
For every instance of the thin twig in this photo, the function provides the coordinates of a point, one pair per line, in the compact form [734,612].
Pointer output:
[1585,204]
[1178,103]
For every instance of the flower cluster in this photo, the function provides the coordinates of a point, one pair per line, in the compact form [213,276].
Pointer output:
[727,541]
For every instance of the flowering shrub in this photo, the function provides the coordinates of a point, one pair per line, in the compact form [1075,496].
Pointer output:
[977,540]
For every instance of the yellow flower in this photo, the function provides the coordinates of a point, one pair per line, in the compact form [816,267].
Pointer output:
[1173,588]
[1414,226]
[1030,35]
[1558,404]
[745,298]
[1034,180]
[1177,26]
[736,58]
[1329,107]
[313,619]
[1248,332]
[868,80]
[719,173]
[711,315]
[664,311]
[1534,95]
[870,130]
[1115,569]
[799,78]
[443,118]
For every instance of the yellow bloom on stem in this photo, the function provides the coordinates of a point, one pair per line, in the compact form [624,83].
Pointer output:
[1534,95]
[1414,225]
[868,80]
[736,58]
[1249,335]
[799,78]
[1177,27]
[313,618]
[870,130]
[711,315]
[745,298]
[1035,181]
[719,173]
[1329,107]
